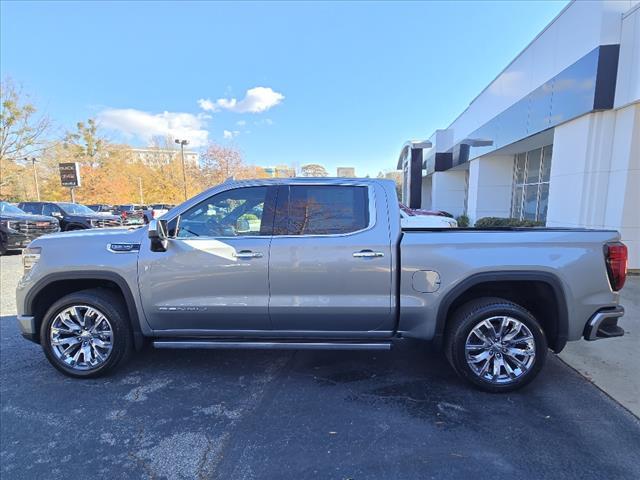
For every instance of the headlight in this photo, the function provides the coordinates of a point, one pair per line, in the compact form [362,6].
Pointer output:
[30,257]
[9,225]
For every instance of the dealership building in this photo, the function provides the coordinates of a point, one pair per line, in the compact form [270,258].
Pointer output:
[554,138]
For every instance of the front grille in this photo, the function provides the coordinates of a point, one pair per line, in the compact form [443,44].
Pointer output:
[30,226]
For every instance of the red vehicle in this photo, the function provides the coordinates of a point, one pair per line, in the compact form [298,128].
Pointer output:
[131,214]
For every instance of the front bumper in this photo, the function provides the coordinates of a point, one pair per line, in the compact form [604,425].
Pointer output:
[604,324]
[27,325]
[18,239]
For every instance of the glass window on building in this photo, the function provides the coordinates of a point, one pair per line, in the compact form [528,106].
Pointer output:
[531,184]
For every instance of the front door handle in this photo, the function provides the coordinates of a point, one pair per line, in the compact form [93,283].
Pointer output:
[247,254]
[367,254]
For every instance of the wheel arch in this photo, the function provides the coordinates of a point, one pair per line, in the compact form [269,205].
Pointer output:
[522,287]
[56,285]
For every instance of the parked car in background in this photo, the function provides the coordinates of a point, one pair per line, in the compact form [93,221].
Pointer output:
[72,216]
[18,228]
[131,214]
[159,209]
[102,208]
[320,264]
[425,218]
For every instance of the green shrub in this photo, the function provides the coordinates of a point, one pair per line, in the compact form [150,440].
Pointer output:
[250,216]
[463,221]
[489,222]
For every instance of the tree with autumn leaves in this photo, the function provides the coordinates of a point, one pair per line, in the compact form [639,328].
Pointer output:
[111,173]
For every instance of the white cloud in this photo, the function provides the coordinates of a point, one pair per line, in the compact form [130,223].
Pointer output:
[144,125]
[206,105]
[241,123]
[256,100]
[230,134]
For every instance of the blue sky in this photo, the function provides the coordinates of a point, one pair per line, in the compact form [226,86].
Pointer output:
[342,84]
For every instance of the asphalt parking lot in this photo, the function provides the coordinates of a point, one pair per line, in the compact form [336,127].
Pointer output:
[330,415]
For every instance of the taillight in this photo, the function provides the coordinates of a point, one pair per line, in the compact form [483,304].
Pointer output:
[615,255]
[124,215]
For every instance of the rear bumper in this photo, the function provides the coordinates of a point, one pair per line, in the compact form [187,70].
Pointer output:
[604,324]
[27,325]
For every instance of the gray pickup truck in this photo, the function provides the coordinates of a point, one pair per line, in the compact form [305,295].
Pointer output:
[319,264]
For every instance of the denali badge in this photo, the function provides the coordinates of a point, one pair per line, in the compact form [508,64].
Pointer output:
[123,247]
[182,309]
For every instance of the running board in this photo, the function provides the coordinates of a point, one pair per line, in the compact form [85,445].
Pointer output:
[284,345]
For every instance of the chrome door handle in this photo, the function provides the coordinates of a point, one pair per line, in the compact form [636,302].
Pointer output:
[367,254]
[247,254]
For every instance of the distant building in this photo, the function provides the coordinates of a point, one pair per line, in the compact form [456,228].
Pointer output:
[280,171]
[162,156]
[346,172]
[555,138]
[395,175]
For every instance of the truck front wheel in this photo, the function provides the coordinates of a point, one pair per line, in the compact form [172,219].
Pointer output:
[495,344]
[87,333]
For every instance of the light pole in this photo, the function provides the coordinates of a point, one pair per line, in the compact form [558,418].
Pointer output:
[35,175]
[182,143]
[140,188]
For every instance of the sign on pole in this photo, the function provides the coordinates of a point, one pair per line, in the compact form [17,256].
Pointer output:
[70,174]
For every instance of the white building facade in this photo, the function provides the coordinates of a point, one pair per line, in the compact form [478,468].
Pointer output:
[554,138]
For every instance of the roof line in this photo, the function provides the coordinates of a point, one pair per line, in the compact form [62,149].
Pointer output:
[513,61]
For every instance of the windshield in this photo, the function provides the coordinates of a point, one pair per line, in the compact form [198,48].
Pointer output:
[76,209]
[8,208]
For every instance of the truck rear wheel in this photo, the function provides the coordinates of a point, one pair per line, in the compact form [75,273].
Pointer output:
[495,344]
[86,334]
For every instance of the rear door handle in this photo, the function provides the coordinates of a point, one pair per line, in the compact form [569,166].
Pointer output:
[247,254]
[367,254]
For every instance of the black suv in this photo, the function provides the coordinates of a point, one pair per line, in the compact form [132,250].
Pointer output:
[72,216]
[18,228]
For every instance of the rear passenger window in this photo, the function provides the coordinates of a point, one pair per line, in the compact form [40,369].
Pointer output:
[327,209]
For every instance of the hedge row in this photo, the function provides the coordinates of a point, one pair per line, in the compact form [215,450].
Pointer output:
[505,222]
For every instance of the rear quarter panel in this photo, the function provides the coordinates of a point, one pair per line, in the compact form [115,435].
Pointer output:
[574,257]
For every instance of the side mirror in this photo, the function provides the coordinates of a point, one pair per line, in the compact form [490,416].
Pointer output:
[56,214]
[158,235]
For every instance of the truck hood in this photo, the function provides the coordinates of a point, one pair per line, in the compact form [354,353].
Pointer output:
[102,235]
[27,216]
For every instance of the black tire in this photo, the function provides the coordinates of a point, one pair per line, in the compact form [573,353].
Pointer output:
[3,244]
[470,315]
[113,308]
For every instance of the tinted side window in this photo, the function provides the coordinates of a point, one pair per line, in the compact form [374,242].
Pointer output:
[327,209]
[34,208]
[49,209]
[234,213]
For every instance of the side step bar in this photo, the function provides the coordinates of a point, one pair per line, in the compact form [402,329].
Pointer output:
[271,345]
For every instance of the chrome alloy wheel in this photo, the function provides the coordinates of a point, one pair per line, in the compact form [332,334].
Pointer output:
[81,337]
[500,349]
